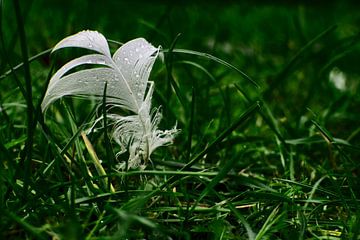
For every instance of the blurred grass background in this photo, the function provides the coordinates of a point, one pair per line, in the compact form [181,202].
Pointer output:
[309,129]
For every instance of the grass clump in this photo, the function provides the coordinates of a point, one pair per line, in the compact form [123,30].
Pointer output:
[268,115]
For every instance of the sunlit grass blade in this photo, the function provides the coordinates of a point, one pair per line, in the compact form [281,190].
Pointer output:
[272,219]
[99,168]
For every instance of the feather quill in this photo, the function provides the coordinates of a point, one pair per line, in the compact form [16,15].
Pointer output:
[128,87]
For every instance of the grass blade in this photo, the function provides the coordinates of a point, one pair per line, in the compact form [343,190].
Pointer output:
[29,103]
[218,60]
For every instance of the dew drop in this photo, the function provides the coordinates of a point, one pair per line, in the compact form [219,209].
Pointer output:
[137,75]
[136,49]
[101,62]
[90,45]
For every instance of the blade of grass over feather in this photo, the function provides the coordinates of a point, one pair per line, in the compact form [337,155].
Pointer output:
[109,153]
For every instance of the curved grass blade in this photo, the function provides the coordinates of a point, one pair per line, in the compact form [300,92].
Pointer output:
[218,60]
[170,78]
[7,73]
[198,66]
[238,215]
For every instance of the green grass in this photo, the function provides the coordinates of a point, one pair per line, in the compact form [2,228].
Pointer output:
[268,148]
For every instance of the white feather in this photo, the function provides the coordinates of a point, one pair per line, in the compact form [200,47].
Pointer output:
[126,75]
